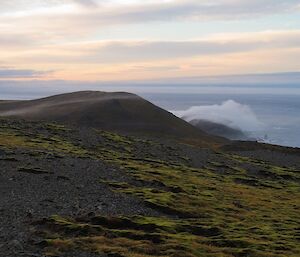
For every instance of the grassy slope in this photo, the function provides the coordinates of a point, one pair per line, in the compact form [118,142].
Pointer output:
[222,209]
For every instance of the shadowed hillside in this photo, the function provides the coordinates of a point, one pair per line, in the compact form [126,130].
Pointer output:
[219,129]
[123,112]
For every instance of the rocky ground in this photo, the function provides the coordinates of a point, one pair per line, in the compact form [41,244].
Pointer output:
[83,192]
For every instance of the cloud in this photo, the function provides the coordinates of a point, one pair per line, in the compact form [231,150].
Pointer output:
[6,73]
[70,34]
[230,113]
[152,50]
[19,4]
[88,3]
[201,10]
[107,13]
[155,68]
[146,50]
[273,80]
[239,53]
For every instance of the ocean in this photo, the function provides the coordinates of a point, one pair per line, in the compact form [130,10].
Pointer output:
[278,116]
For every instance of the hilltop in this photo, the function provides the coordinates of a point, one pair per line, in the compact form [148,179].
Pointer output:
[122,112]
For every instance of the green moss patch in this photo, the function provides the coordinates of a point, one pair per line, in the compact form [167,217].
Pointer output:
[234,213]
[12,139]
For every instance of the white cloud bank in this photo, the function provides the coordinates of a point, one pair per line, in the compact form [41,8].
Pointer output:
[230,113]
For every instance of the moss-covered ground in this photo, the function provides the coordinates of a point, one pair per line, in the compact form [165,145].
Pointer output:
[232,206]
[14,137]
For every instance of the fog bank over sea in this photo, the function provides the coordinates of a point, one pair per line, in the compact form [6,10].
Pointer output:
[267,117]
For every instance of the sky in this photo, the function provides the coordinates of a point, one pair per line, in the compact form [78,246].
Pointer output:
[148,40]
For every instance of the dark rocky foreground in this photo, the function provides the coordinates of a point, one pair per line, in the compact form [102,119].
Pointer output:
[67,191]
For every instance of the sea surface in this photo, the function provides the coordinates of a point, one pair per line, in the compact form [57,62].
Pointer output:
[279,115]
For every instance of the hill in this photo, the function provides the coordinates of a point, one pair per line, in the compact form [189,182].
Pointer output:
[122,112]
[218,129]
[91,174]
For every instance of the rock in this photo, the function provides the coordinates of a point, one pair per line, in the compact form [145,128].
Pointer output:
[16,245]
[2,152]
